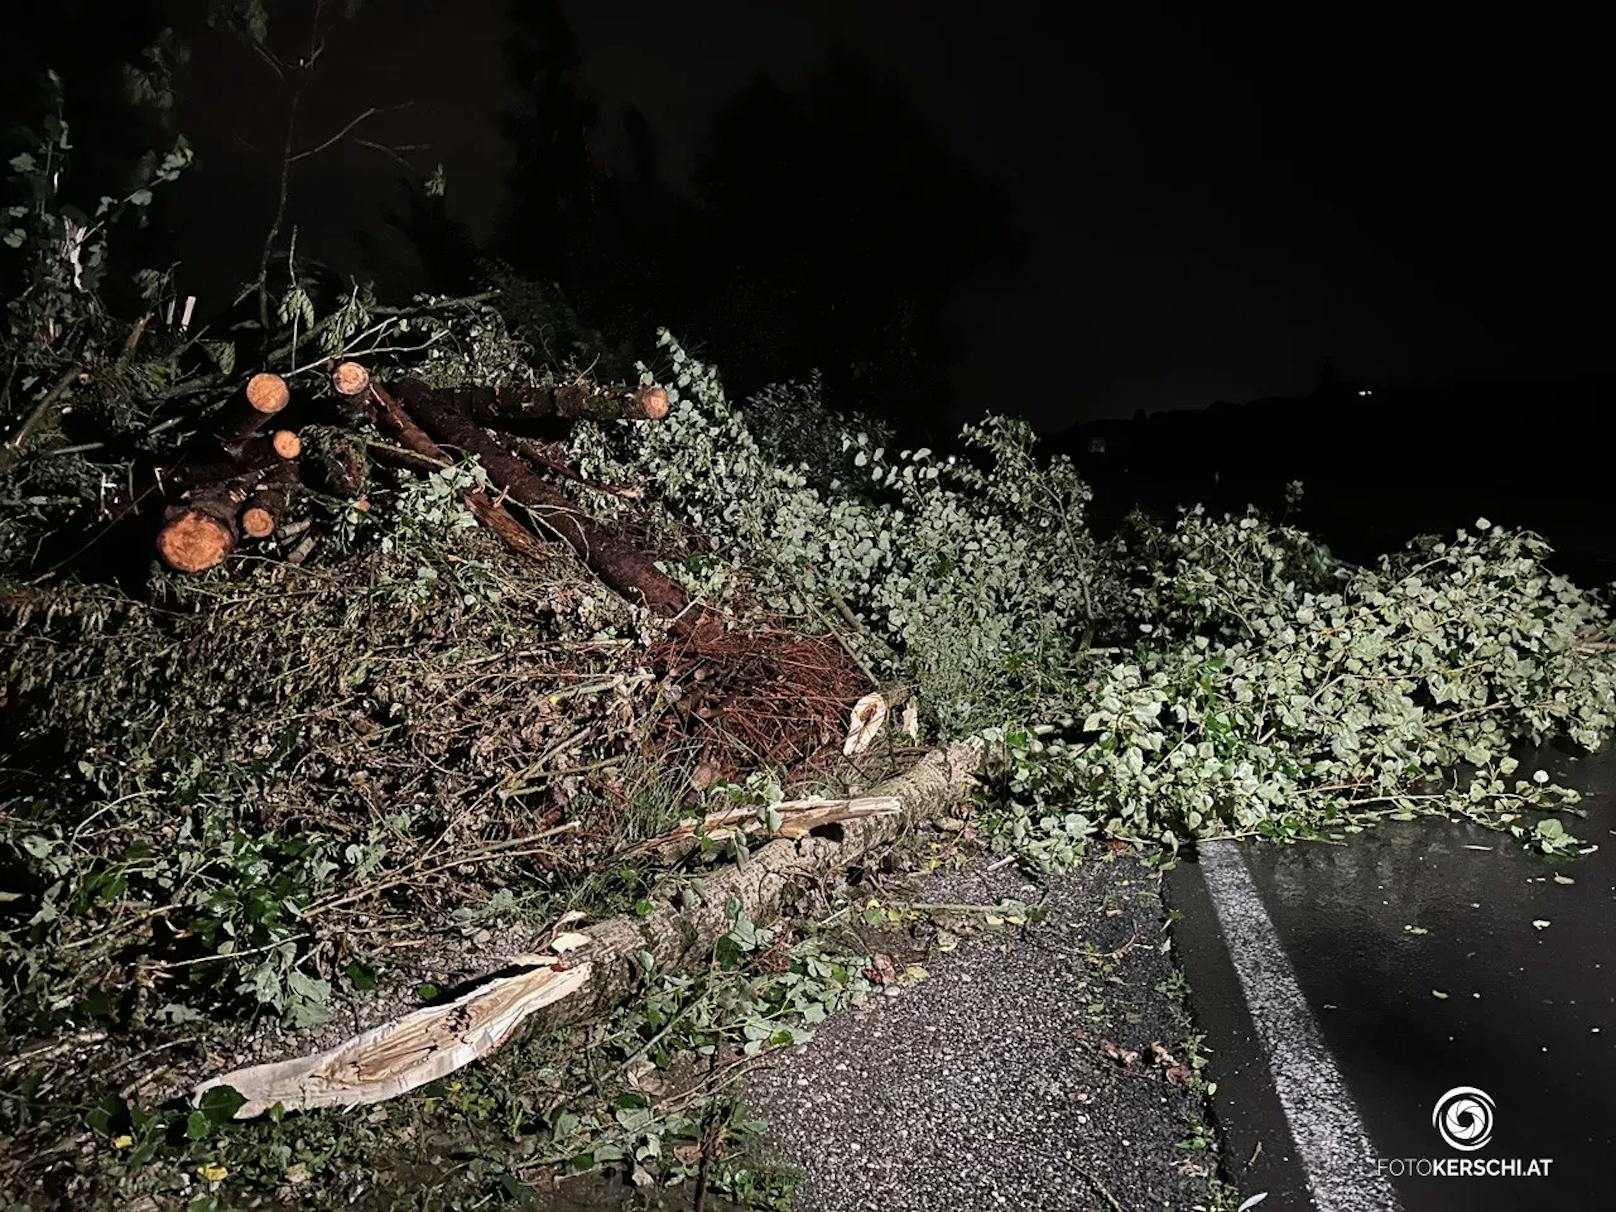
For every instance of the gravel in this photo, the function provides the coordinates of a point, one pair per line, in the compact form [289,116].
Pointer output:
[996,1083]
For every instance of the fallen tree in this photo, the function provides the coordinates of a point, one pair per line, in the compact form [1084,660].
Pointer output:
[387,1061]
[623,567]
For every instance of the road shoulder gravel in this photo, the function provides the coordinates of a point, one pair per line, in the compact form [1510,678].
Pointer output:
[1047,1065]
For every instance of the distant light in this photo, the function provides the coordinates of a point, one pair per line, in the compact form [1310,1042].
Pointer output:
[1366,392]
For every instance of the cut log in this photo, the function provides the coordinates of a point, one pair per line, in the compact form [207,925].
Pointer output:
[266,508]
[265,395]
[252,458]
[257,519]
[392,418]
[199,534]
[350,379]
[622,566]
[568,401]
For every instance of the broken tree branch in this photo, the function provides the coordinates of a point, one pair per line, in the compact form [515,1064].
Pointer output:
[391,417]
[676,937]
[388,1060]
[47,402]
[623,567]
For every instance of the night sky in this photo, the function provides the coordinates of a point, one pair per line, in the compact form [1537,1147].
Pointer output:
[1206,203]
[1213,200]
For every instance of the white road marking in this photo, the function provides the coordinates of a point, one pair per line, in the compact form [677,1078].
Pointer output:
[1330,1138]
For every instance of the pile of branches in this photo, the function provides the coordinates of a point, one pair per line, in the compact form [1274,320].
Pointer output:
[307,721]
[764,698]
[263,776]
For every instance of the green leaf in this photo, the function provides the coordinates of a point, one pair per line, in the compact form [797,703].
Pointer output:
[106,1115]
[220,1103]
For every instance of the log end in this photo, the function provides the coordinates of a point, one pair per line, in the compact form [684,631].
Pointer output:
[286,443]
[267,393]
[350,379]
[257,522]
[193,541]
[655,402]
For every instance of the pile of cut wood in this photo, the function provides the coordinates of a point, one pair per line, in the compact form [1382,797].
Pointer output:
[245,481]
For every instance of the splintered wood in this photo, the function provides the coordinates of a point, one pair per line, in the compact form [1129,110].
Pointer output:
[407,1053]
[796,818]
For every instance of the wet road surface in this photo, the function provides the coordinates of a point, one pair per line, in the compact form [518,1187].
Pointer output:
[1375,931]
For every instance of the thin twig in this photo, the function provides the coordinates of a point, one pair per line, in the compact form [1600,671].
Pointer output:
[15,443]
[369,113]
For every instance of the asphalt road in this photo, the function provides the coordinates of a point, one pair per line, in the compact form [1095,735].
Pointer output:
[1428,956]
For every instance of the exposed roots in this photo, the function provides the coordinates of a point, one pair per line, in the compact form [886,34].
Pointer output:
[757,698]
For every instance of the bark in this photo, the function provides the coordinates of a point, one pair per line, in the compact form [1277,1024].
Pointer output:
[392,418]
[254,457]
[335,463]
[623,567]
[266,508]
[537,454]
[492,405]
[265,395]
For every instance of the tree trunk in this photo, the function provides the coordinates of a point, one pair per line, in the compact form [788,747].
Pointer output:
[623,567]
[391,417]
[492,405]
[678,938]
[199,534]
[606,970]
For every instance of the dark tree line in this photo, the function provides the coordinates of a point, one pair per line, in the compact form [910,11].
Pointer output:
[823,228]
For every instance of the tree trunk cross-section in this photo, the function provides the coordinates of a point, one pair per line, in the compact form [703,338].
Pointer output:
[265,395]
[199,534]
